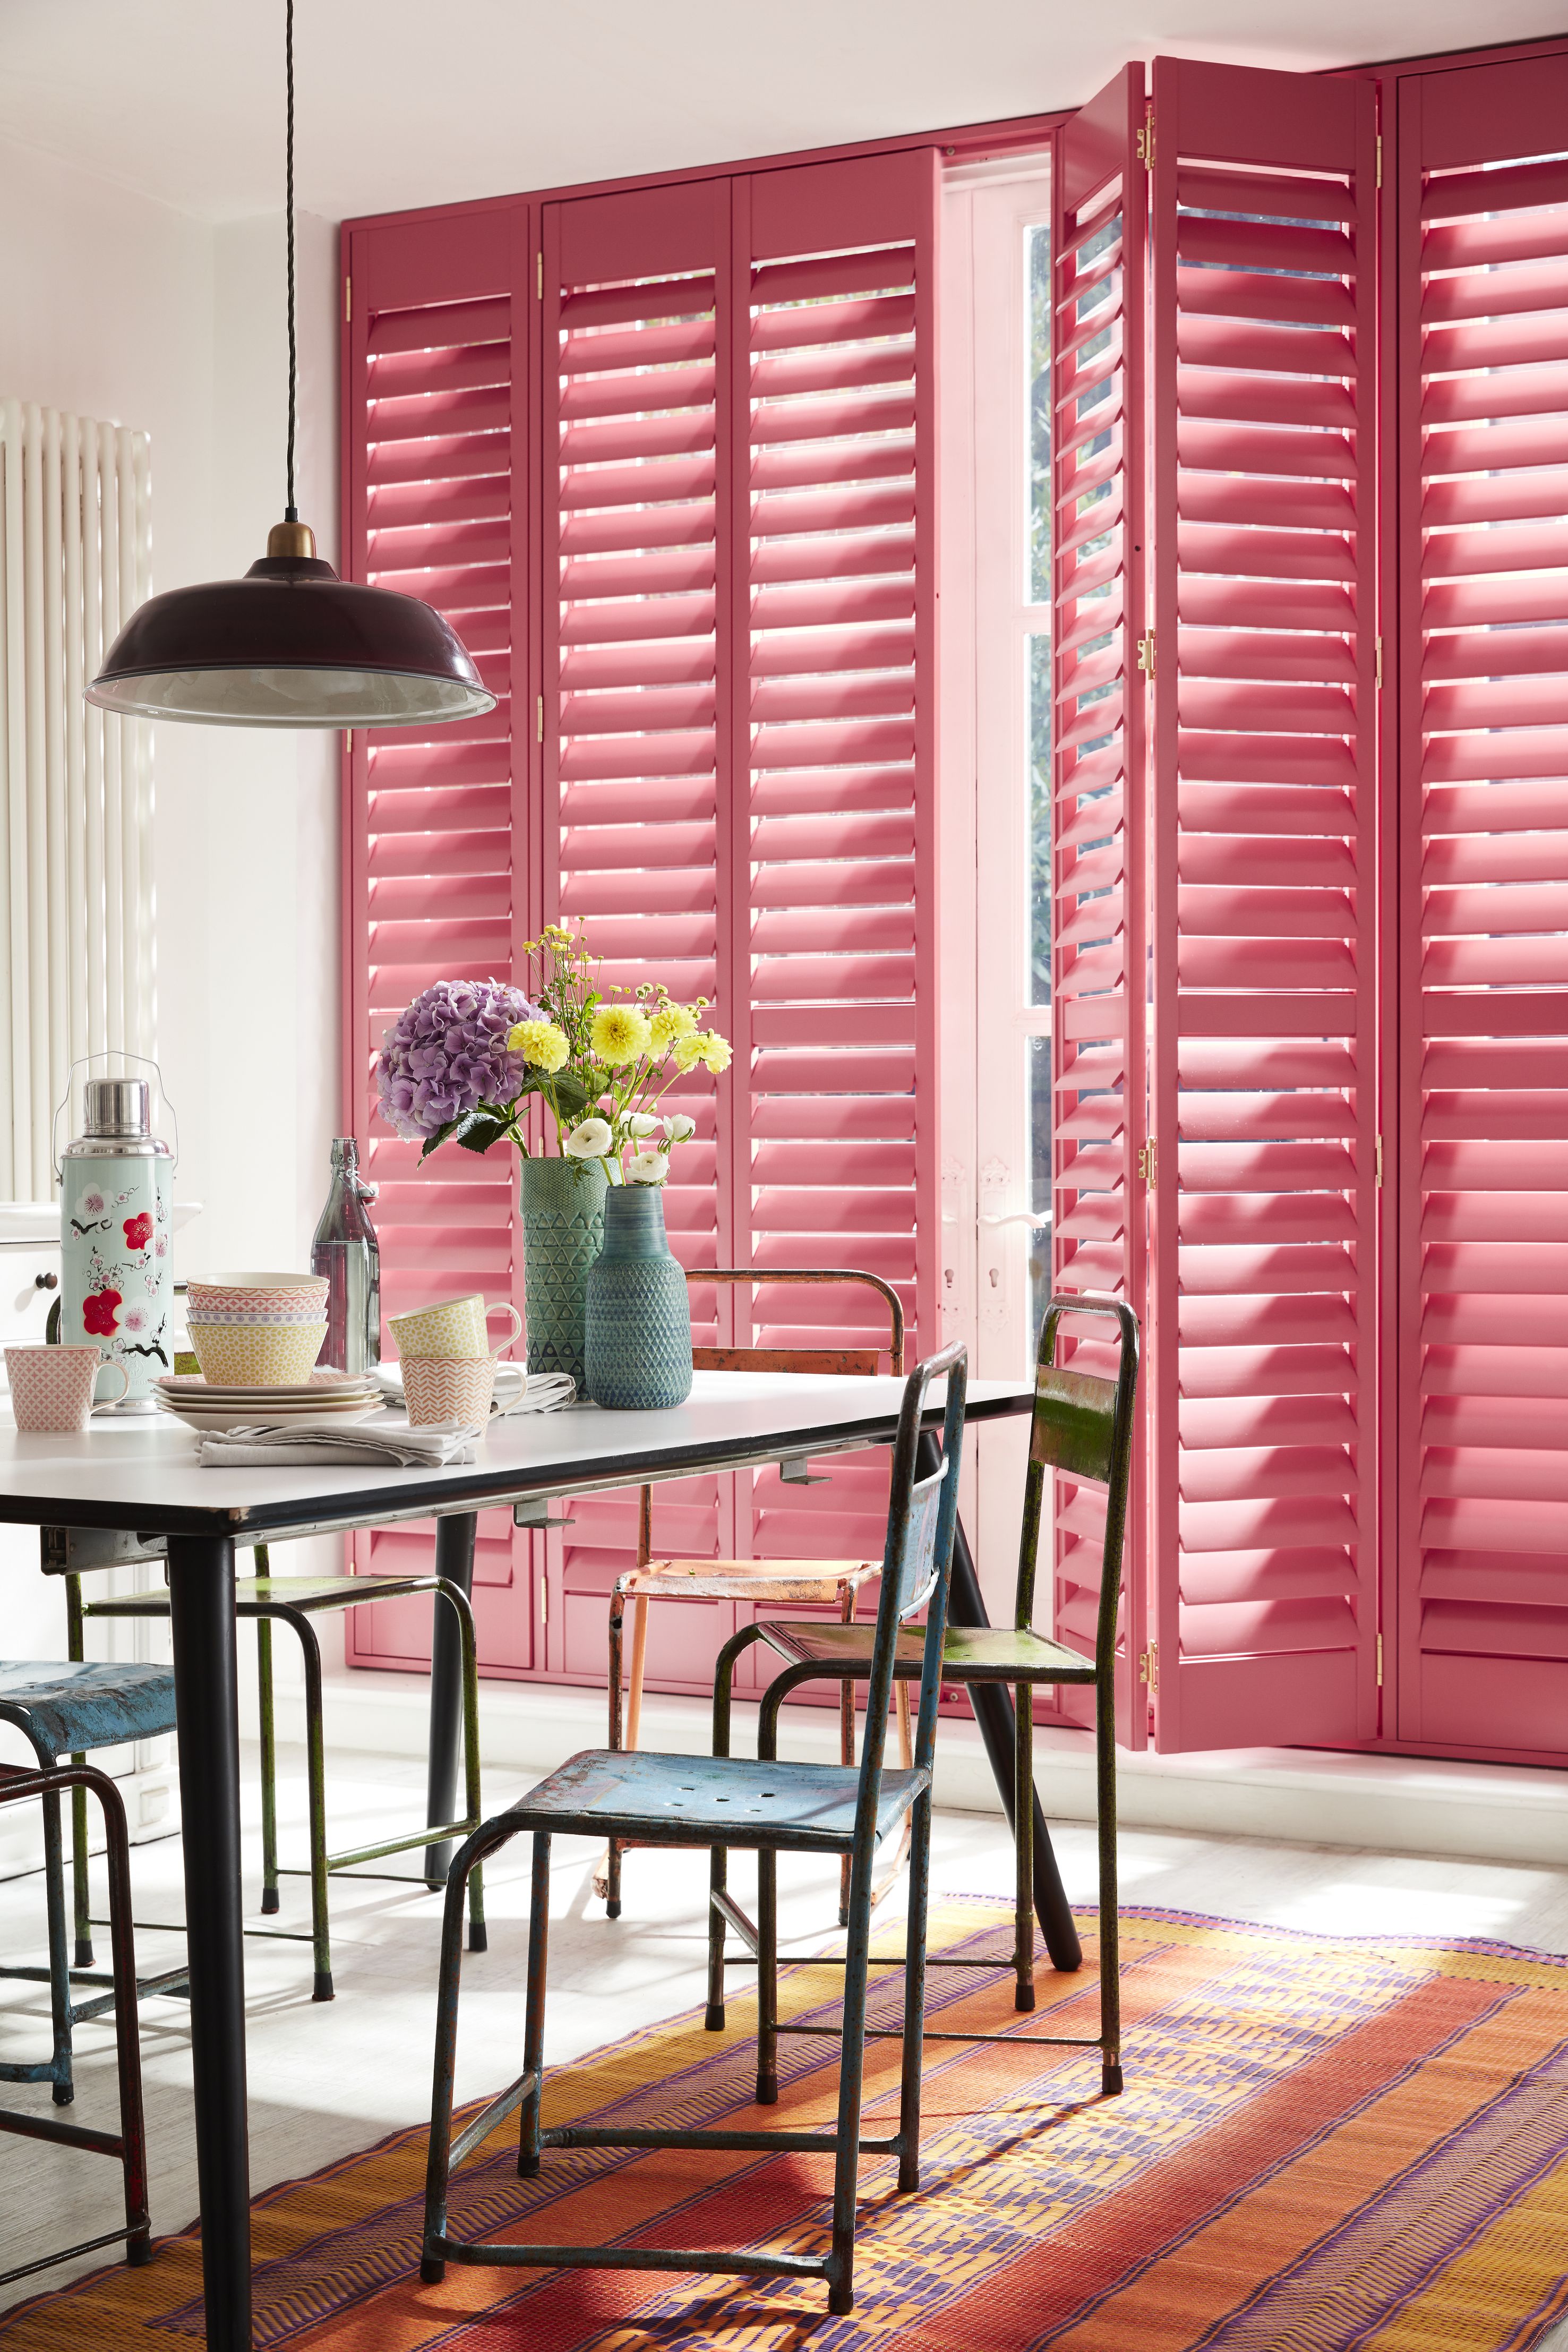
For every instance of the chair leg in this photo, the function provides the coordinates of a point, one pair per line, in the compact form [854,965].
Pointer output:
[852,2065]
[127,2032]
[534,2026]
[316,1792]
[473,1804]
[76,1650]
[59,1967]
[607,1870]
[915,1995]
[719,1855]
[269,1896]
[1110,1921]
[82,1898]
[1023,1846]
[431,2267]
[616,1851]
[767,1978]
[846,1747]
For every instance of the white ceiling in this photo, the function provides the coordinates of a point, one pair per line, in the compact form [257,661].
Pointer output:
[402,104]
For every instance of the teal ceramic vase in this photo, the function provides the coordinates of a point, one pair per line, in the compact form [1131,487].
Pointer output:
[639,1327]
[563,1225]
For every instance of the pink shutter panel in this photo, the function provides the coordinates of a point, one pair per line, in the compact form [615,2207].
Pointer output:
[834,999]
[1098,905]
[634,509]
[1483,1338]
[434,378]
[1264,1073]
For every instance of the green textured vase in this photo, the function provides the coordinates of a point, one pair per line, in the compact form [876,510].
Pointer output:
[639,1328]
[563,1225]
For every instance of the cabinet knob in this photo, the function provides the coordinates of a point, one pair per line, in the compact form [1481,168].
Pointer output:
[46,1282]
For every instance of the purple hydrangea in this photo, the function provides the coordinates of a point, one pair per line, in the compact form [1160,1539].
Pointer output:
[447,1053]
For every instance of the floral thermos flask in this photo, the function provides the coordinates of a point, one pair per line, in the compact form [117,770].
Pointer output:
[116,1271]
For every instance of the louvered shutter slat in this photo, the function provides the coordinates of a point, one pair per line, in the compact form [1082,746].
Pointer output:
[1483,1442]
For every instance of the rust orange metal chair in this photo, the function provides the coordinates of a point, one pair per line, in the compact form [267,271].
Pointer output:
[830,1583]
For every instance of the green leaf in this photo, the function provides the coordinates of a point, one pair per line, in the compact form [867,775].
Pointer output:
[480,1130]
[439,1137]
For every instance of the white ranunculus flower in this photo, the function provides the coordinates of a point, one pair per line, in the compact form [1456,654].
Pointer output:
[679,1128]
[638,1123]
[590,1140]
[648,1168]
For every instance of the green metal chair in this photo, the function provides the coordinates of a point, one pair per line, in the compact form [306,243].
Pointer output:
[294,1601]
[1083,1426]
[704,1800]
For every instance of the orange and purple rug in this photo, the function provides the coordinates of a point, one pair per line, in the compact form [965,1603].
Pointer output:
[1325,2145]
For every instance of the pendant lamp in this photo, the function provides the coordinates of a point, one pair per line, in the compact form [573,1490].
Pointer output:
[290,645]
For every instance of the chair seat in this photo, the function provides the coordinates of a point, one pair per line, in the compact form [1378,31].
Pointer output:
[305,1593]
[687,1799]
[971,1653]
[67,1707]
[750,1580]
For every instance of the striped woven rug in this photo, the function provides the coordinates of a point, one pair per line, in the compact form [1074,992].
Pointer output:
[1323,2144]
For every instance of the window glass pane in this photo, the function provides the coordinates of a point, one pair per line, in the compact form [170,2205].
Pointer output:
[1040,1178]
[1038,848]
[1039,414]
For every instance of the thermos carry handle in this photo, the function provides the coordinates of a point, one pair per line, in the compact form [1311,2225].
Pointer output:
[84,1062]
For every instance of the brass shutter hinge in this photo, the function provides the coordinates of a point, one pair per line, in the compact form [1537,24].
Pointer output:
[348,302]
[1149,1163]
[1146,653]
[539,283]
[1377,1161]
[1380,1661]
[544,1598]
[1378,643]
[1149,1667]
[541,720]
[1380,159]
[1146,140]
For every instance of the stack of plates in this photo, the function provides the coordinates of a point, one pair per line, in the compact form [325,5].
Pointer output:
[203,1404]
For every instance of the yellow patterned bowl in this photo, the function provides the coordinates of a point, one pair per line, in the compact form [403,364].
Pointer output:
[257,1355]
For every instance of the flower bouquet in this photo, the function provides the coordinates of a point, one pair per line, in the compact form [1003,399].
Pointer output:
[464,1062]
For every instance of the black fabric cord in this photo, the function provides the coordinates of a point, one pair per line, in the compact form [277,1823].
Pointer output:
[290,512]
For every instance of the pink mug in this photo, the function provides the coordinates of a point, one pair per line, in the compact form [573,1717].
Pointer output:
[51,1388]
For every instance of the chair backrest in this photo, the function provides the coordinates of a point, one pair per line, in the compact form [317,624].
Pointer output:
[917,1560]
[802,1360]
[1083,1425]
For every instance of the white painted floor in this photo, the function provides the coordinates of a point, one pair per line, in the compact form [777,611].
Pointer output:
[329,2078]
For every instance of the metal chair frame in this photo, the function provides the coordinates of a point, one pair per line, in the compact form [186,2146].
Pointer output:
[750,1581]
[293,1601]
[1082,1424]
[19,1782]
[66,2014]
[590,1794]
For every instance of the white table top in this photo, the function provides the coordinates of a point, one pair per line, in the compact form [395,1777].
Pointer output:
[142,1476]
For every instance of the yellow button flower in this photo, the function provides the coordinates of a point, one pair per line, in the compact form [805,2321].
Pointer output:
[620,1034]
[541,1044]
[717,1053]
[669,1024]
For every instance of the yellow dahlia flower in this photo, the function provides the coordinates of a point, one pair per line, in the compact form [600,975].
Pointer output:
[715,1053]
[620,1034]
[669,1024]
[541,1044]
[688,1052]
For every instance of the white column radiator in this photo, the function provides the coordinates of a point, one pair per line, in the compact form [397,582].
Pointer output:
[76,950]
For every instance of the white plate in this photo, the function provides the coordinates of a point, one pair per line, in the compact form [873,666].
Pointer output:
[319,1389]
[246,1417]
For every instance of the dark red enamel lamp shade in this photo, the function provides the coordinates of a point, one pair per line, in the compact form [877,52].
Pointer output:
[291,646]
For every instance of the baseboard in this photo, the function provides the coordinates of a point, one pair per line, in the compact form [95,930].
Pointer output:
[1298,1796]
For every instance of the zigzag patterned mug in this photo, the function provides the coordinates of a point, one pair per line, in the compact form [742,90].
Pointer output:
[454,1327]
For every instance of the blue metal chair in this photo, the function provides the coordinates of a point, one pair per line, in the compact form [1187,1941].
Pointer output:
[723,1802]
[67,1708]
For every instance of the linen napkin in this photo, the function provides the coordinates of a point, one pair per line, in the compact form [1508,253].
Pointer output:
[283,1446]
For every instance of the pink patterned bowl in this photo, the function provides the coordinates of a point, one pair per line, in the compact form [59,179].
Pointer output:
[267,1295]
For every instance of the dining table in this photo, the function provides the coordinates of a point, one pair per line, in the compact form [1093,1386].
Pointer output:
[141,1483]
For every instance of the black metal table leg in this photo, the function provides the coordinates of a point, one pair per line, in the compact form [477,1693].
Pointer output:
[202,1608]
[993,1711]
[454,1538]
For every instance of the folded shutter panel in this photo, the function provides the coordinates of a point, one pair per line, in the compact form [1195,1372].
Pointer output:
[834,1005]
[1264,1070]
[634,507]
[1483,1487]
[434,390]
[1098,912]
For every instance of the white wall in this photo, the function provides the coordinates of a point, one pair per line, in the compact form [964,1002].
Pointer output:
[121,308]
